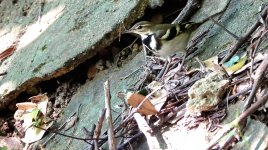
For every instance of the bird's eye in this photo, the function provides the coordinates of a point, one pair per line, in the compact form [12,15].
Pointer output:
[139,27]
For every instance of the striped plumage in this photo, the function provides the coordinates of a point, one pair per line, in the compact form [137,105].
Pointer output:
[164,39]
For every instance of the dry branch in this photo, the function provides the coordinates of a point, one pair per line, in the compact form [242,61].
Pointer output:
[98,129]
[111,140]
[250,110]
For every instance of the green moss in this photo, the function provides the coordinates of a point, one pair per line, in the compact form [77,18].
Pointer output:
[44,47]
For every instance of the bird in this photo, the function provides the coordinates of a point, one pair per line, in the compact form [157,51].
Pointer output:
[164,39]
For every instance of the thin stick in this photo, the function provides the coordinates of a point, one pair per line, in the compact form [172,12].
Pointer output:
[163,70]
[89,134]
[240,119]
[191,6]
[53,134]
[111,139]
[257,81]
[222,27]
[69,136]
[144,127]
[248,110]
[235,48]
[98,129]
[128,141]
[229,98]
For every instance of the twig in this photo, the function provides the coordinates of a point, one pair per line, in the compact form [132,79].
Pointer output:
[118,128]
[98,129]
[240,119]
[122,146]
[191,6]
[89,134]
[258,79]
[65,135]
[235,48]
[179,89]
[164,69]
[173,113]
[75,120]
[229,98]
[248,110]
[41,9]
[144,127]
[255,49]
[61,127]
[202,66]
[222,27]
[111,140]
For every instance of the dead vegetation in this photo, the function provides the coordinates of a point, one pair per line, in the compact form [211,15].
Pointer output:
[168,93]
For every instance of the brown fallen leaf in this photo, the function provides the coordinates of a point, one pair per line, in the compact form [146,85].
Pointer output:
[26,105]
[134,99]
[213,65]
[41,100]
[38,98]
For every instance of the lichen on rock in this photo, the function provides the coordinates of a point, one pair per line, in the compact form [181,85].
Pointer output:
[206,93]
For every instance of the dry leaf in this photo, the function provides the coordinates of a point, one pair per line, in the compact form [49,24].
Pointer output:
[38,98]
[41,101]
[213,65]
[134,99]
[26,105]
[33,134]
[30,112]
[171,73]
[242,86]
[19,115]
[159,97]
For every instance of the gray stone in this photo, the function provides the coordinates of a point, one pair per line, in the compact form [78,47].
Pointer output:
[255,137]
[238,17]
[91,96]
[76,35]
[68,33]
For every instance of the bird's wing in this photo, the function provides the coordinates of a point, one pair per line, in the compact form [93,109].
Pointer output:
[167,32]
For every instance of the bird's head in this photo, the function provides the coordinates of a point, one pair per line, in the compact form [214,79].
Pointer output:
[142,28]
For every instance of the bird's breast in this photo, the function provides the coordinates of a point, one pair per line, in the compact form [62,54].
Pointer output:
[176,45]
[151,42]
